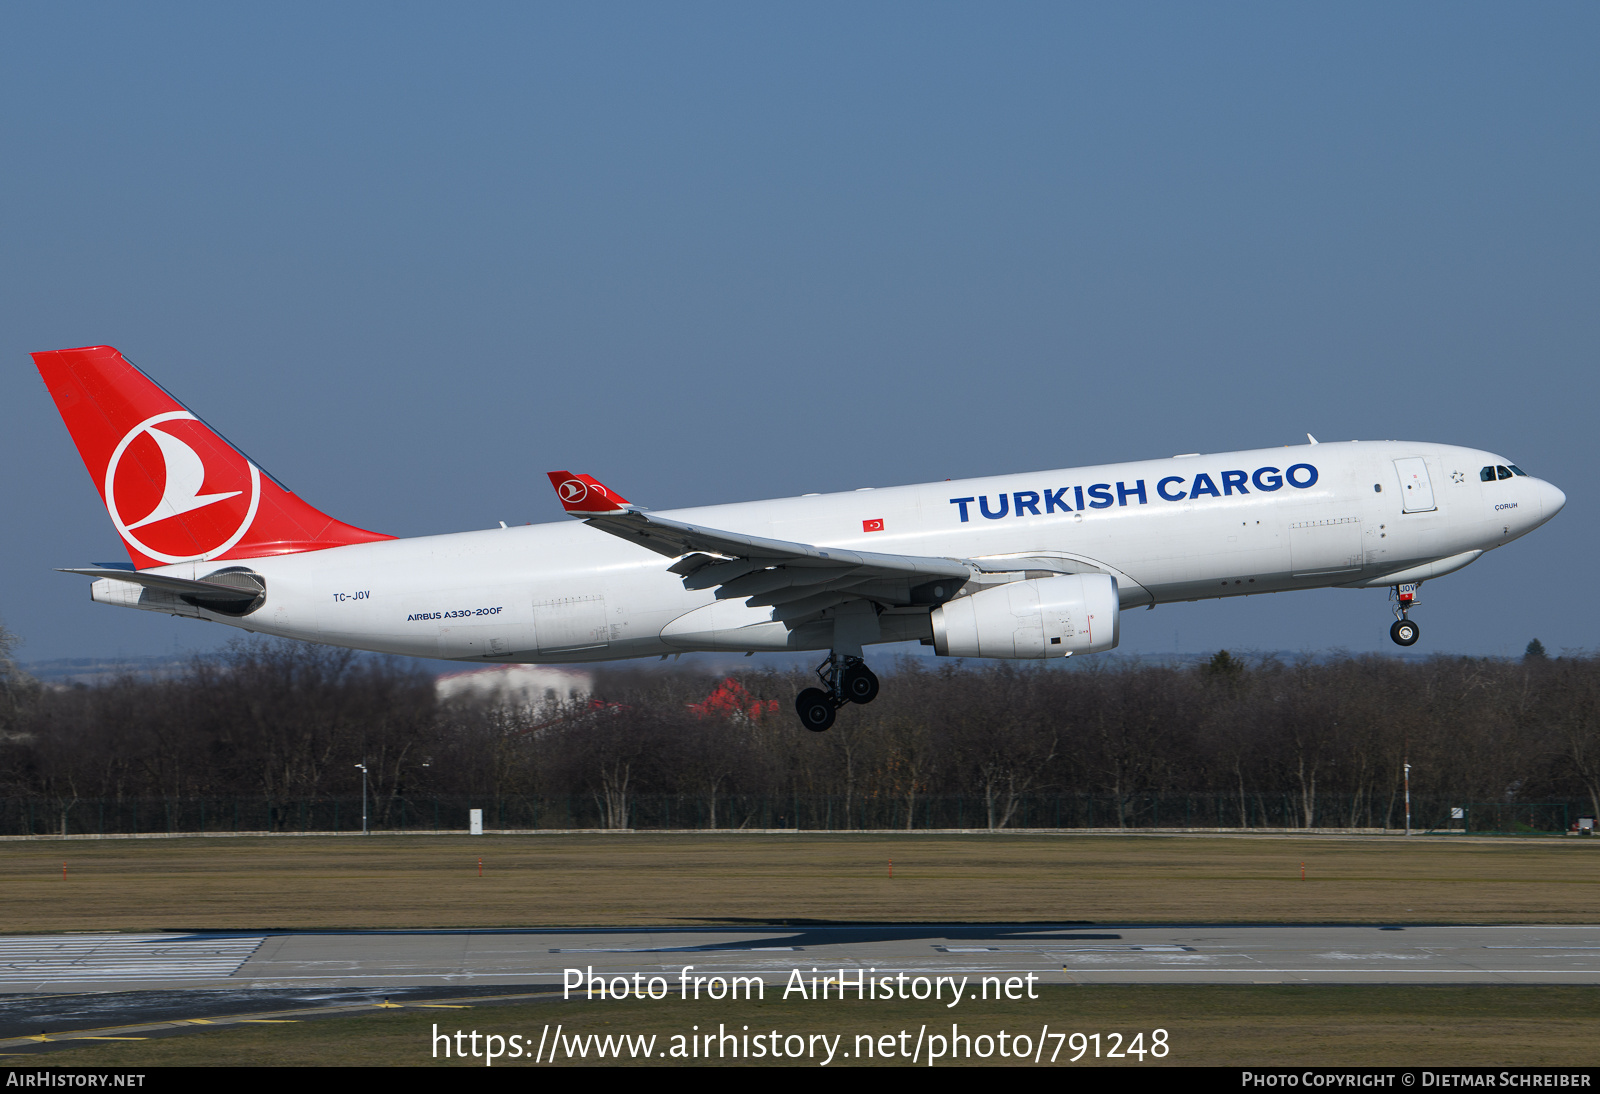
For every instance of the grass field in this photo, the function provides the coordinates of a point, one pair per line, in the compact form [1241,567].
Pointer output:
[385,881]
[1239,1026]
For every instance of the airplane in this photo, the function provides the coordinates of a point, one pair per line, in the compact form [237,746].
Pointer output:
[1030,566]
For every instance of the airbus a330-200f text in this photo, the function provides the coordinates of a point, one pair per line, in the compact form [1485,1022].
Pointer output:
[1036,565]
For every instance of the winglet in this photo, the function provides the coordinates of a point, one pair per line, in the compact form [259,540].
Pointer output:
[584,496]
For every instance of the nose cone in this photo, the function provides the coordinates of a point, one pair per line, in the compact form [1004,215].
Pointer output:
[1551,499]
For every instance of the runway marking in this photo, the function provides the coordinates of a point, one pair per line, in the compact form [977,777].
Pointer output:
[53,959]
[180,1024]
[1152,948]
[681,949]
[1337,955]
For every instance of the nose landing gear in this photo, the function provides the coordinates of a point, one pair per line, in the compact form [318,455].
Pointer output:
[846,679]
[1404,632]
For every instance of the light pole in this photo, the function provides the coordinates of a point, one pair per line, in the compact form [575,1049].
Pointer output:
[1408,799]
[362,765]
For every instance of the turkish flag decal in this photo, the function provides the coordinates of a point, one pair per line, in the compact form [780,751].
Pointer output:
[872,526]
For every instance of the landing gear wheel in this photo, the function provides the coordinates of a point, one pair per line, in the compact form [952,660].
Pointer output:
[815,708]
[845,679]
[1405,633]
[860,684]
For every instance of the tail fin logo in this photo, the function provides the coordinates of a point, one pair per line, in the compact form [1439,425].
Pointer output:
[572,491]
[177,492]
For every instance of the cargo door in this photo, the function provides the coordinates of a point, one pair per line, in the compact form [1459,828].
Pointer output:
[1329,546]
[1416,488]
[571,623]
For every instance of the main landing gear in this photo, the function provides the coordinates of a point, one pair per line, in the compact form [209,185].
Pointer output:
[846,679]
[1404,632]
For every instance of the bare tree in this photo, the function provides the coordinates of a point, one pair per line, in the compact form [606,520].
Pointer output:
[1007,734]
[17,688]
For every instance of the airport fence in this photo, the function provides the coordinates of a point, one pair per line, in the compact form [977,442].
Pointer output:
[128,816]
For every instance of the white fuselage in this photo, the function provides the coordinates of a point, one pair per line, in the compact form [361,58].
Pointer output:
[555,592]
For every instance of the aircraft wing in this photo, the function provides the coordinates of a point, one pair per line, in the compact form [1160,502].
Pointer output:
[796,579]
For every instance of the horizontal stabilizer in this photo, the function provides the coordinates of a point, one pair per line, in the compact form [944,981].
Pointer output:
[249,585]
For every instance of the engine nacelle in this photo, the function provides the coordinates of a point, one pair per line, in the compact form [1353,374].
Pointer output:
[1045,617]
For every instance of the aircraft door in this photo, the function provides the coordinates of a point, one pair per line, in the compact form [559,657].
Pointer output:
[1331,545]
[1416,488]
[571,623]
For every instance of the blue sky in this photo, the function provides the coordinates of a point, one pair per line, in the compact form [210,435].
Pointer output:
[409,257]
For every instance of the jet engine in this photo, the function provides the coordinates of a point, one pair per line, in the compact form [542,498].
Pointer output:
[1043,617]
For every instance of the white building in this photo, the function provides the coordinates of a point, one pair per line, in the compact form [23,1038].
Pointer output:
[517,687]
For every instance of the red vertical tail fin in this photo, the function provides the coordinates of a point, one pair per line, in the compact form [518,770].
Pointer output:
[176,490]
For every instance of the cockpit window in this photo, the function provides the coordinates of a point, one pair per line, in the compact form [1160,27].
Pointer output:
[1504,472]
[1515,470]
[1487,474]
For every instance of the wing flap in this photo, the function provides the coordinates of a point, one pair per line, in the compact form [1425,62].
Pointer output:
[782,579]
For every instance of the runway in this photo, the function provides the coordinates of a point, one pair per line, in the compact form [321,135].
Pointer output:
[1069,953]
